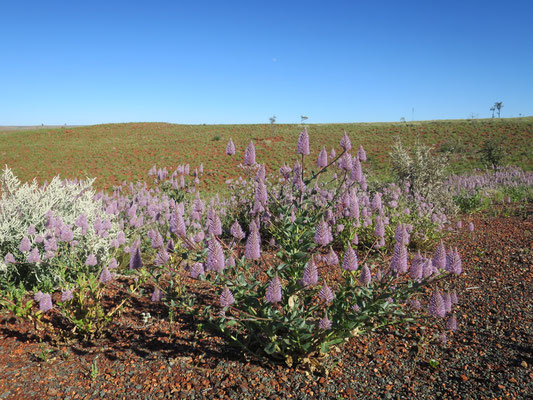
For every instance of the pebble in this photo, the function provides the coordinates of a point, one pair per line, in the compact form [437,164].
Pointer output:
[523,364]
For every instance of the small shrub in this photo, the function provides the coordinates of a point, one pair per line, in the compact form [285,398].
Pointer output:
[491,153]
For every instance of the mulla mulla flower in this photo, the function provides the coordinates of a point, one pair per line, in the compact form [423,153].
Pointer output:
[253,244]
[215,256]
[91,260]
[226,298]
[325,323]
[322,158]
[273,292]
[439,258]
[326,294]
[249,155]
[349,261]
[303,143]
[135,259]
[345,143]
[323,234]
[361,154]
[236,231]
[399,263]
[230,148]
[25,245]
[310,276]
[436,305]
[365,278]
[105,275]
[34,256]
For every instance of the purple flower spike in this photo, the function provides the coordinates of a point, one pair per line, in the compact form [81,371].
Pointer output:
[453,262]
[113,264]
[365,277]
[346,144]
[471,227]
[453,297]
[322,158]
[25,245]
[326,294]
[45,302]
[401,235]
[91,260]
[323,234]
[9,259]
[249,155]
[361,154]
[215,256]
[436,305]
[230,263]
[157,295]
[105,276]
[273,292]
[415,304]
[230,148]
[303,143]
[253,244]
[310,274]
[226,298]
[162,257]
[196,270]
[31,230]
[451,324]
[399,262]
[417,267]
[325,324]
[34,256]
[332,154]
[332,258]
[380,227]
[66,295]
[236,231]
[135,259]
[349,261]
[439,258]
[177,225]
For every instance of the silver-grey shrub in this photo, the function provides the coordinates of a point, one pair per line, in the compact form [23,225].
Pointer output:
[425,173]
[31,204]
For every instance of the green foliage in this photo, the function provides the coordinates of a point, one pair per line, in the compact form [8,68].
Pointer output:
[469,203]
[13,300]
[491,153]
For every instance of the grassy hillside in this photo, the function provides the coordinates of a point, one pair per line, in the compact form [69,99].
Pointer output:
[117,152]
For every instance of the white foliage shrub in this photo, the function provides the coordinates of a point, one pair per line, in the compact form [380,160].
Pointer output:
[28,204]
[425,173]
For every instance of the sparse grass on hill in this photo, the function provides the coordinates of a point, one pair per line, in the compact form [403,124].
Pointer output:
[117,152]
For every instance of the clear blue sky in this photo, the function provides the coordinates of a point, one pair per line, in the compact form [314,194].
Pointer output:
[87,62]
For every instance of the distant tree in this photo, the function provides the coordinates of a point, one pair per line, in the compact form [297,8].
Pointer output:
[303,118]
[402,119]
[498,106]
[493,109]
[272,122]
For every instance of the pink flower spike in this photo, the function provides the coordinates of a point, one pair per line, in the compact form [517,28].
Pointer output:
[230,148]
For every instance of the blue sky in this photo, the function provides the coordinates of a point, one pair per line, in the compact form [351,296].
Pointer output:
[244,61]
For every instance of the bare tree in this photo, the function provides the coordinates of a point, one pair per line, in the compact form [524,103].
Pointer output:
[493,109]
[498,106]
[272,122]
[303,118]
